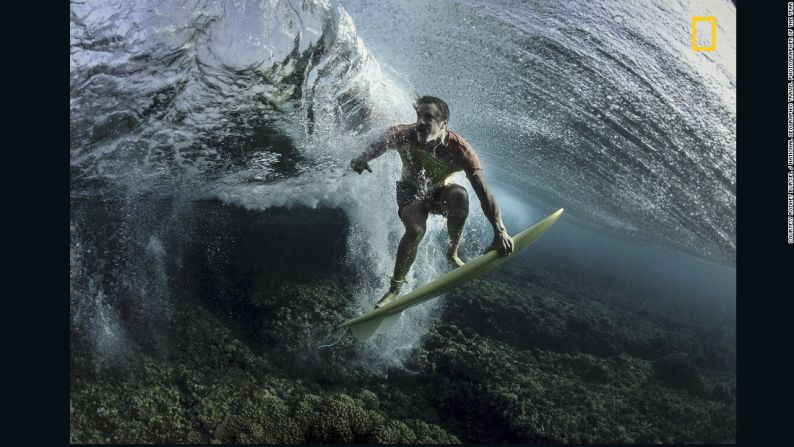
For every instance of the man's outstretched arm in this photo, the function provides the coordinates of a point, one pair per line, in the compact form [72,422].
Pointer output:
[374,151]
[502,241]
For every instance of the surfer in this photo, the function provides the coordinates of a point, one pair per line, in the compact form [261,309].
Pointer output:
[430,154]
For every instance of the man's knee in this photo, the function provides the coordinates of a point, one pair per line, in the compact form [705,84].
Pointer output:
[457,199]
[414,232]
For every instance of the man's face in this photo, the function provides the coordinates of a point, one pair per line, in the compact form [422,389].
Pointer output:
[429,126]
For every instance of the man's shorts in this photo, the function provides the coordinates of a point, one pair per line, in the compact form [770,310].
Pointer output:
[431,198]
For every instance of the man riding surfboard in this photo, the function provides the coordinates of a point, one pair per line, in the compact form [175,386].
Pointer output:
[430,154]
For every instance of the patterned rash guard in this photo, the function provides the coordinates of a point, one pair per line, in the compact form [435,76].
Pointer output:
[429,168]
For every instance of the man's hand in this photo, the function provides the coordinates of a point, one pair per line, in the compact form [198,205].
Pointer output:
[359,165]
[502,243]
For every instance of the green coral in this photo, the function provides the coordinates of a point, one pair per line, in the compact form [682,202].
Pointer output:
[221,392]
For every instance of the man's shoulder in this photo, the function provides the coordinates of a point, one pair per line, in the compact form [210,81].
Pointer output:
[401,133]
[459,143]
[463,153]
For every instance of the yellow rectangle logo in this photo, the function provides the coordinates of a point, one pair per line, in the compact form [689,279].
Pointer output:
[713,45]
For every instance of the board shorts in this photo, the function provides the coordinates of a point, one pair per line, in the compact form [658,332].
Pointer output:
[407,193]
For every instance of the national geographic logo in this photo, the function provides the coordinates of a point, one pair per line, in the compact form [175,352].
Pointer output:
[704,37]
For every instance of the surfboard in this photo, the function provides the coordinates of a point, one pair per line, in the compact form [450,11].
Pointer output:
[366,324]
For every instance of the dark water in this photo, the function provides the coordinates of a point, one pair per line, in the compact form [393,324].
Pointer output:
[597,107]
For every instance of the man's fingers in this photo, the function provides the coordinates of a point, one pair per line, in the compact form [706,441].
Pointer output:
[506,247]
[503,246]
[360,167]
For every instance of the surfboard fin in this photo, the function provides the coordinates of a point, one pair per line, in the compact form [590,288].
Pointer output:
[388,323]
[365,329]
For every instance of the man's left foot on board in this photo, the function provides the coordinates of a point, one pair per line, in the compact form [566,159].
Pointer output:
[390,296]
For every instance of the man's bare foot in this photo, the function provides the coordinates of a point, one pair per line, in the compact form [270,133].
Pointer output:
[455,260]
[390,296]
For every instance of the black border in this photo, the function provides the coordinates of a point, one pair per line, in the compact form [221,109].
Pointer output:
[36,162]
[764,260]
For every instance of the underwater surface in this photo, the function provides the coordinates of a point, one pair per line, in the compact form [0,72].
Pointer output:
[218,234]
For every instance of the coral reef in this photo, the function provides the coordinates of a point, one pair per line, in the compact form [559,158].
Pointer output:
[523,355]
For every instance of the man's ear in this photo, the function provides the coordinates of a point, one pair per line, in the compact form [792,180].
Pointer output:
[444,124]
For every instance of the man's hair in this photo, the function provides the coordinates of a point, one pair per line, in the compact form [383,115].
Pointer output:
[442,106]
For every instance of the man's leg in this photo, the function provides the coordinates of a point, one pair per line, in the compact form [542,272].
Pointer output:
[455,200]
[414,218]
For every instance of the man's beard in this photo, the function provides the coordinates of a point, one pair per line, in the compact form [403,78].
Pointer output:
[428,141]
[438,141]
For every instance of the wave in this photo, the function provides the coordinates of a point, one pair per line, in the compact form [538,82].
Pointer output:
[600,108]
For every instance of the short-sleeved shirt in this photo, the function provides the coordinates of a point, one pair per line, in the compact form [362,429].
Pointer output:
[432,167]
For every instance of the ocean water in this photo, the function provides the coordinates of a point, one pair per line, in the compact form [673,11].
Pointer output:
[600,108]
